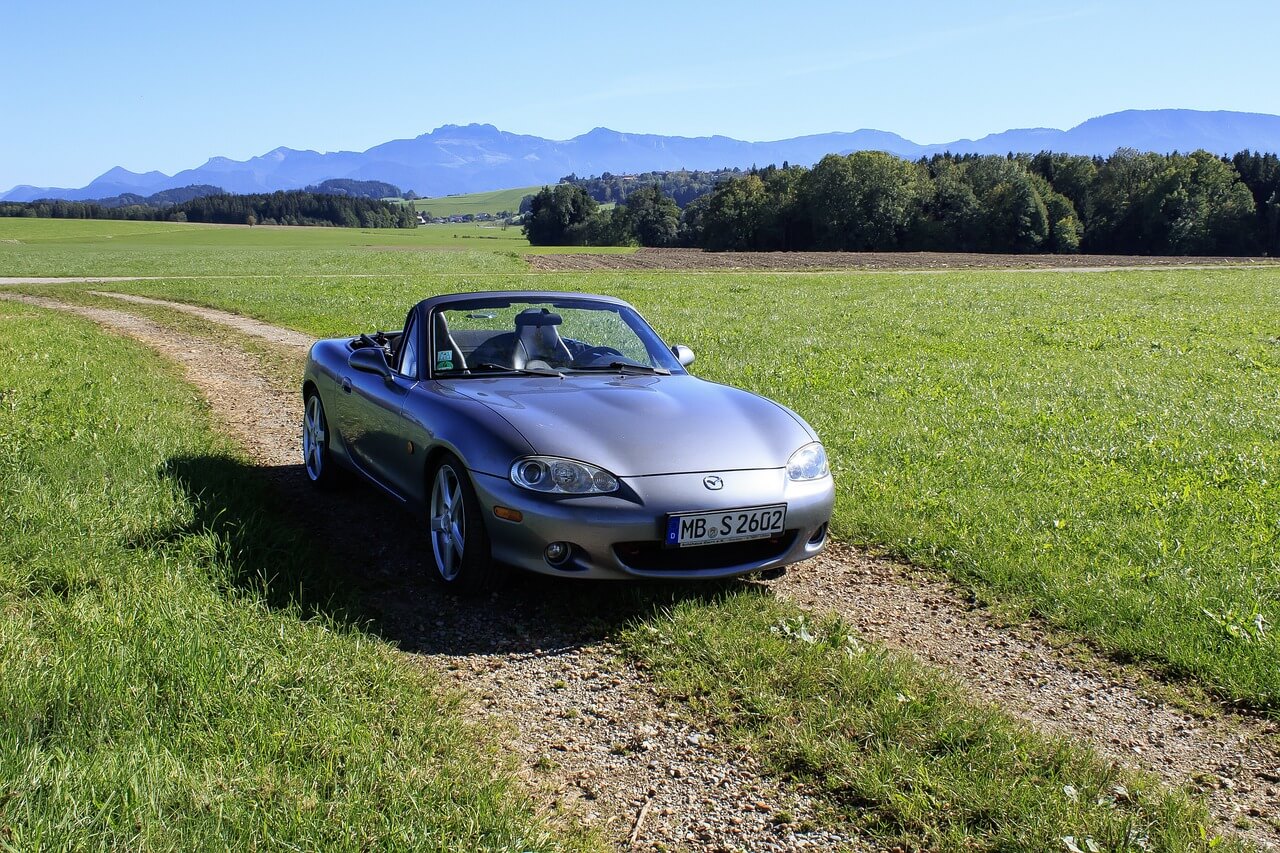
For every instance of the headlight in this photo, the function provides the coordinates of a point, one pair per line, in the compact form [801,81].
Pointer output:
[562,476]
[808,463]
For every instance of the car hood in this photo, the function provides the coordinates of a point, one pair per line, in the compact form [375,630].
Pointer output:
[644,425]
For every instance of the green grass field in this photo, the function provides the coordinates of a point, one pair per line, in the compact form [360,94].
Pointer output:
[33,247]
[171,678]
[1097,448]
[493,202]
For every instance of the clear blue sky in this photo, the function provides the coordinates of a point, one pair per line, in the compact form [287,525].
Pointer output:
[165,85]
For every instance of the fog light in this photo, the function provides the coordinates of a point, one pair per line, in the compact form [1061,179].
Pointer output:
[557,552]
[819,536]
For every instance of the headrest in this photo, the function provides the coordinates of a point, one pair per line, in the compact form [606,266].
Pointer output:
[537,317]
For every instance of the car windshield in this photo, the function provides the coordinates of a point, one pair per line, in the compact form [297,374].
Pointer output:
[537,337]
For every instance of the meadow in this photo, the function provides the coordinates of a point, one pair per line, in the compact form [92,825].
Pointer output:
[171,681]
[494,202]
[35,247]
[1097,449]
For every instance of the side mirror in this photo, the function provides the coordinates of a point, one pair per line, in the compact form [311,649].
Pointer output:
[371,360]
[683,354]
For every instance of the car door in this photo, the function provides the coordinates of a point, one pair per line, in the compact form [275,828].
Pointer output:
[376,431]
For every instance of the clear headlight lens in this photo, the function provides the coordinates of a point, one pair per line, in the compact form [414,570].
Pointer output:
[808,463]
[562,476]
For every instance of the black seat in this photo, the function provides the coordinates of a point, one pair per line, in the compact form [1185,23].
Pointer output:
[538,341]
[444,338]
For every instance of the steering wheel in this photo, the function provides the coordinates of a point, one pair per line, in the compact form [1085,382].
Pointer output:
[591,355]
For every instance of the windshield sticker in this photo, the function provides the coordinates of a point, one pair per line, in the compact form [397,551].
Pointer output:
[444,359]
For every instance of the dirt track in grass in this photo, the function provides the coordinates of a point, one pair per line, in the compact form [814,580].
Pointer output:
[589,730]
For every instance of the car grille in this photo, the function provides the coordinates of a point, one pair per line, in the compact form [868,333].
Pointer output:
[653,557]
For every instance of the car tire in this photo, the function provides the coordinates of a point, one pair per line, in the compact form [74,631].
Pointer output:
[317,461]
[460,554]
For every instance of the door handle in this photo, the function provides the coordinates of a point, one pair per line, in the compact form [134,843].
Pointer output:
[346,384]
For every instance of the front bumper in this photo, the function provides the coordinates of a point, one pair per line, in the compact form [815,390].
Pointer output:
[621,535]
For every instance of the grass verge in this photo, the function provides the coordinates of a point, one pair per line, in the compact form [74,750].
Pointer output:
[893,745]
[176,678]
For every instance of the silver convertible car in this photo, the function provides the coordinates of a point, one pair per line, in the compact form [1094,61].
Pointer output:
[556,432]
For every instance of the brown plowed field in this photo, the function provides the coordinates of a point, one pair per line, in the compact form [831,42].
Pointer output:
[696,259]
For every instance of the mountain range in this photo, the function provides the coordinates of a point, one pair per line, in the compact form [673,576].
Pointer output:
[459,159]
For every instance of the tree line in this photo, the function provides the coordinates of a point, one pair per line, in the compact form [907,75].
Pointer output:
[294,207]
[164,198]
[565,215]
[682,186]
[360,189]
[1129,203]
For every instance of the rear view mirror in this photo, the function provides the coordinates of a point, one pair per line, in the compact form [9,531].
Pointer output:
[683,354]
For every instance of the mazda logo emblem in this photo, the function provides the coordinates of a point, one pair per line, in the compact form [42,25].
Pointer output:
[713,482]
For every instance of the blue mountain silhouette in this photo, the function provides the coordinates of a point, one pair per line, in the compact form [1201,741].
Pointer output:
[476,157]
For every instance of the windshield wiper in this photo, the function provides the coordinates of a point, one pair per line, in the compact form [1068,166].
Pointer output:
[524,371]
[627,367]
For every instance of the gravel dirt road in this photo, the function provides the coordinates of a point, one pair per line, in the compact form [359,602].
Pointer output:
[589,730]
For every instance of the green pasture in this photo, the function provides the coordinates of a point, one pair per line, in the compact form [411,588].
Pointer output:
[494,201]
[1098,448]
[177,671]
[177,675]
[79,247]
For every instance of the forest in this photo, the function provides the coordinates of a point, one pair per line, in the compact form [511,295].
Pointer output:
[682,186]
[294,207]
[1129,203]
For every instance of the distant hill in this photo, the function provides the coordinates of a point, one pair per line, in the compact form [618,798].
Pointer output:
[479,157]
[493,203]
[356,189]
[1162,131]
[164,198]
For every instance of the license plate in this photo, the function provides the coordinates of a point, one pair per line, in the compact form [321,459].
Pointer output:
[725,525]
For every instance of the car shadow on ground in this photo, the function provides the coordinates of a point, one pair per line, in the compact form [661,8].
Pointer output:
[352,555]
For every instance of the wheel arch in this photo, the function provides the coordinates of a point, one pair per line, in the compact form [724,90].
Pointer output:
[433,457]
[432,460]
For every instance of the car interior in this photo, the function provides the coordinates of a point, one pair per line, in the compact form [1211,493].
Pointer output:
[533,342]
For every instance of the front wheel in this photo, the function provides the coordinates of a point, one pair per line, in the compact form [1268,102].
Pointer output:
[459,541]
[316,458]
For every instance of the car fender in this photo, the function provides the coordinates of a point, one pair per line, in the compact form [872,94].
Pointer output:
[437,419]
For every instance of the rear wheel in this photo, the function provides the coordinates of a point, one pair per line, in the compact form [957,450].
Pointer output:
[459,541]
[316,458]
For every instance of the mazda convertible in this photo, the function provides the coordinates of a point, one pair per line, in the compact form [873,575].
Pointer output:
[556,432]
